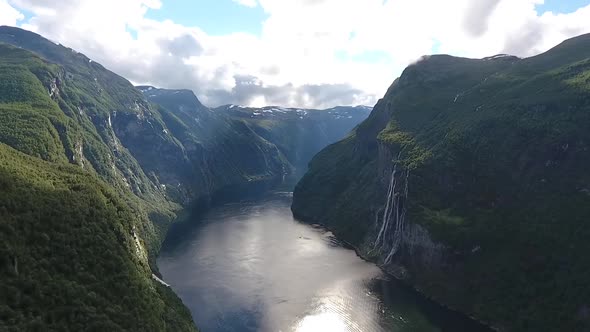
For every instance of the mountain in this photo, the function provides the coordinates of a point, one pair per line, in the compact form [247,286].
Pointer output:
[219,155]
[81,220]
[470,181]
[299,133]
[92,173]
[291,136]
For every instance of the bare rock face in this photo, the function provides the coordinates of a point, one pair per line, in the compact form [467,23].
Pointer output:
[53,88]
[396,239]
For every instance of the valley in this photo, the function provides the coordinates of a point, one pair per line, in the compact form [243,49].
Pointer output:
[139,208]
[93,169]
[249,266]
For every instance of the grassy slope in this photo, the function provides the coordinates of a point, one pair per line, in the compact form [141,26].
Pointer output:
[85,221]
[68,257]
[87,94]
[46,126]
[502,168]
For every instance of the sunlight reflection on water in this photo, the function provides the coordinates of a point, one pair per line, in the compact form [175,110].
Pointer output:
[252,267]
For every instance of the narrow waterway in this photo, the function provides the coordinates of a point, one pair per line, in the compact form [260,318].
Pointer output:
[250,266]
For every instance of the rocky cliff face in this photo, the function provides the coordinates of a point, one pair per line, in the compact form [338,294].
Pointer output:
[468,180]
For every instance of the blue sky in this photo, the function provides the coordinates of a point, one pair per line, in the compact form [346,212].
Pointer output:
[216,17]
[219,17]
[561,6]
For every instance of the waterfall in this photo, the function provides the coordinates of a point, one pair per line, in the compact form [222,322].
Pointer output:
[391,234]
[400,221]
[388,207]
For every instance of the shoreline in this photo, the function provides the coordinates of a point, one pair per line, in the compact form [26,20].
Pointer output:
[404,282]
[184,222]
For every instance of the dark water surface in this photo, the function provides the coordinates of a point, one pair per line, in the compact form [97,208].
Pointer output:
[250,266]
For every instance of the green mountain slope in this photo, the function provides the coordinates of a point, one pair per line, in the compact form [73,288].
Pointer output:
[81,221]
[470,180]
[71,259]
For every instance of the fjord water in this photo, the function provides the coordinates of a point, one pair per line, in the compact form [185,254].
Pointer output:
[250,266]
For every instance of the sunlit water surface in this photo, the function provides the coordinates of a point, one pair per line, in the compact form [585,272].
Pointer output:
[251,267]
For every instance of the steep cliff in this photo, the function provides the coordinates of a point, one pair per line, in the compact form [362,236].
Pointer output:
[469,179]
[71,254]
[76,207]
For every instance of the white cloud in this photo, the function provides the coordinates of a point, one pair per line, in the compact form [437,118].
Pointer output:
[9,15]
[247,3]
[311,53]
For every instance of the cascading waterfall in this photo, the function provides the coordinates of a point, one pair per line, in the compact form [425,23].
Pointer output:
[390,236]
[387,211]
[400,220]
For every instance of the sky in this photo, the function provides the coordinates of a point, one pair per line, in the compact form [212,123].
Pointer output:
[297,53]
